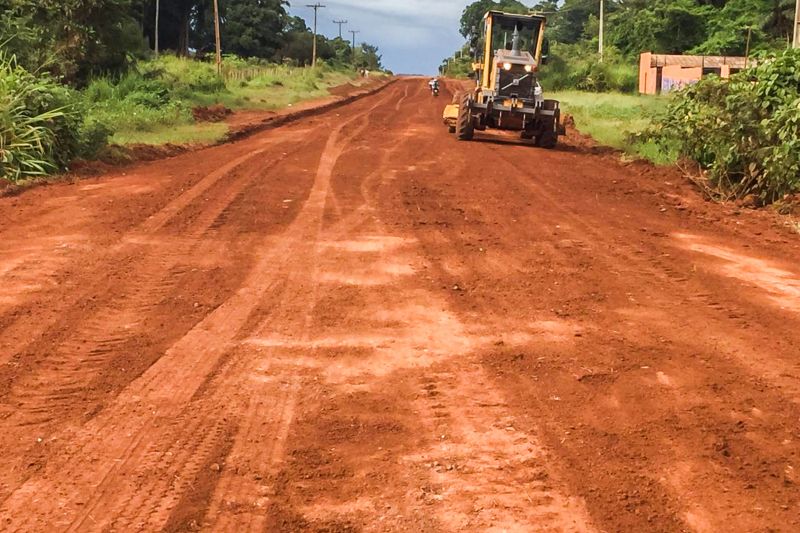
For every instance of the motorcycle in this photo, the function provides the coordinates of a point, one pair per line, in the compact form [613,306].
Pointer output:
[435,90]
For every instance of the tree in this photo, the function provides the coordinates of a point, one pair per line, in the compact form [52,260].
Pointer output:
[71,38]
[728,27]
[665,26]
[367,57]
[254,28]
[472,17]
[568,24]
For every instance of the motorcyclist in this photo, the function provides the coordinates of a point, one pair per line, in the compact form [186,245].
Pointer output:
[434,85]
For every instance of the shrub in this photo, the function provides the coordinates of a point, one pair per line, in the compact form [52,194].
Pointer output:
[42,125]
[184,76]
[577,67]
[745,133]
[136,101]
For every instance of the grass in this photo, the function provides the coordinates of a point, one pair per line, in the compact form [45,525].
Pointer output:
[153,104]
[277,91]
[610,118]
[202,133]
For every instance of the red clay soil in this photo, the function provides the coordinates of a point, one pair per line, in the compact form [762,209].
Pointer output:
[354,322]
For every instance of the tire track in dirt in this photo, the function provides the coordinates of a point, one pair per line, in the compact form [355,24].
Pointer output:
[487,476]
[383,347]
[97,340]
[652,266]
[169,385]
[579,229]
[242,495]
[61,386]
[118,256]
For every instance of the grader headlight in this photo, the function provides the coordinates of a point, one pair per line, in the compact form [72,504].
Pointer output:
[507,66]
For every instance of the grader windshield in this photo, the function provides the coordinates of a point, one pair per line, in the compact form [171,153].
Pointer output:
[512,42]
[504,27]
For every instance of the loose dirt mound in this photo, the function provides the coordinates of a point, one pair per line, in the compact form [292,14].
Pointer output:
[214,113]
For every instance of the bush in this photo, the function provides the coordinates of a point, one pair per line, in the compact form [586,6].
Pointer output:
[577,67]
[183,76]
[744,132]
[137,101]
[42,126]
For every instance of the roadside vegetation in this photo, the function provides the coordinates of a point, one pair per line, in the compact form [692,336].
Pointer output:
[153,102]
[744,133]
[76,75]
[619,120]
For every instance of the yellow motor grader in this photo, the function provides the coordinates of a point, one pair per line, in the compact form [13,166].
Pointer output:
[507,94]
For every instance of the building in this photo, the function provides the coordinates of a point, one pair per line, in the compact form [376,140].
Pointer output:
[660,73]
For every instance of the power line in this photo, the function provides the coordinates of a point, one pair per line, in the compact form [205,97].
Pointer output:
[340,23]
[316,7]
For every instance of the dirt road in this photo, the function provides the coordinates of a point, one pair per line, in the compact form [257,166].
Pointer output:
[356,323]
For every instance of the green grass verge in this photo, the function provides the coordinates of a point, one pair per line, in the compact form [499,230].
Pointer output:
[201,133]
[610,118]
[152,104]
[277,91]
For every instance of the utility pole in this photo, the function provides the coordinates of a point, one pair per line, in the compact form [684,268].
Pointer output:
[340,23]
[354,32]
[217,38]
[797,25]
[316,8]
[747,47]
[602,23]
[158,13]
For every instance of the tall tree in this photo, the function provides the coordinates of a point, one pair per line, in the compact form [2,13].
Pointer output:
[71,38]
[472,17]
[254,28]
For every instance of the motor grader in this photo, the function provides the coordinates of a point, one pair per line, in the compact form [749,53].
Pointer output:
[507,94]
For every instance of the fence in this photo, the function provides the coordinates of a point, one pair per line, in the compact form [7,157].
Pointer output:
[249,73]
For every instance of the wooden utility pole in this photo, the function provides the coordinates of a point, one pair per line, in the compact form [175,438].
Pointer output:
[316,8]
[602,24]
[354,32]
[747,46]
[340,23]
[797,25]
[158,13]
[217,38]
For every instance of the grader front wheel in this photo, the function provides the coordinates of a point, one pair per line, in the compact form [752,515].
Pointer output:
[548,138]
[465,126]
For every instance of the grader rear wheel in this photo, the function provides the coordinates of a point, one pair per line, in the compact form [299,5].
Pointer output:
[465,126]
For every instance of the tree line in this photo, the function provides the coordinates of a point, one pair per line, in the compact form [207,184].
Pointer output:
[703,27]
[77,39]
[710,27]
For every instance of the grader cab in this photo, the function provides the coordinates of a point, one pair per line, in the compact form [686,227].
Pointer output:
[508,95]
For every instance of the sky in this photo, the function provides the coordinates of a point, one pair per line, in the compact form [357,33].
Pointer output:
[414,36]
